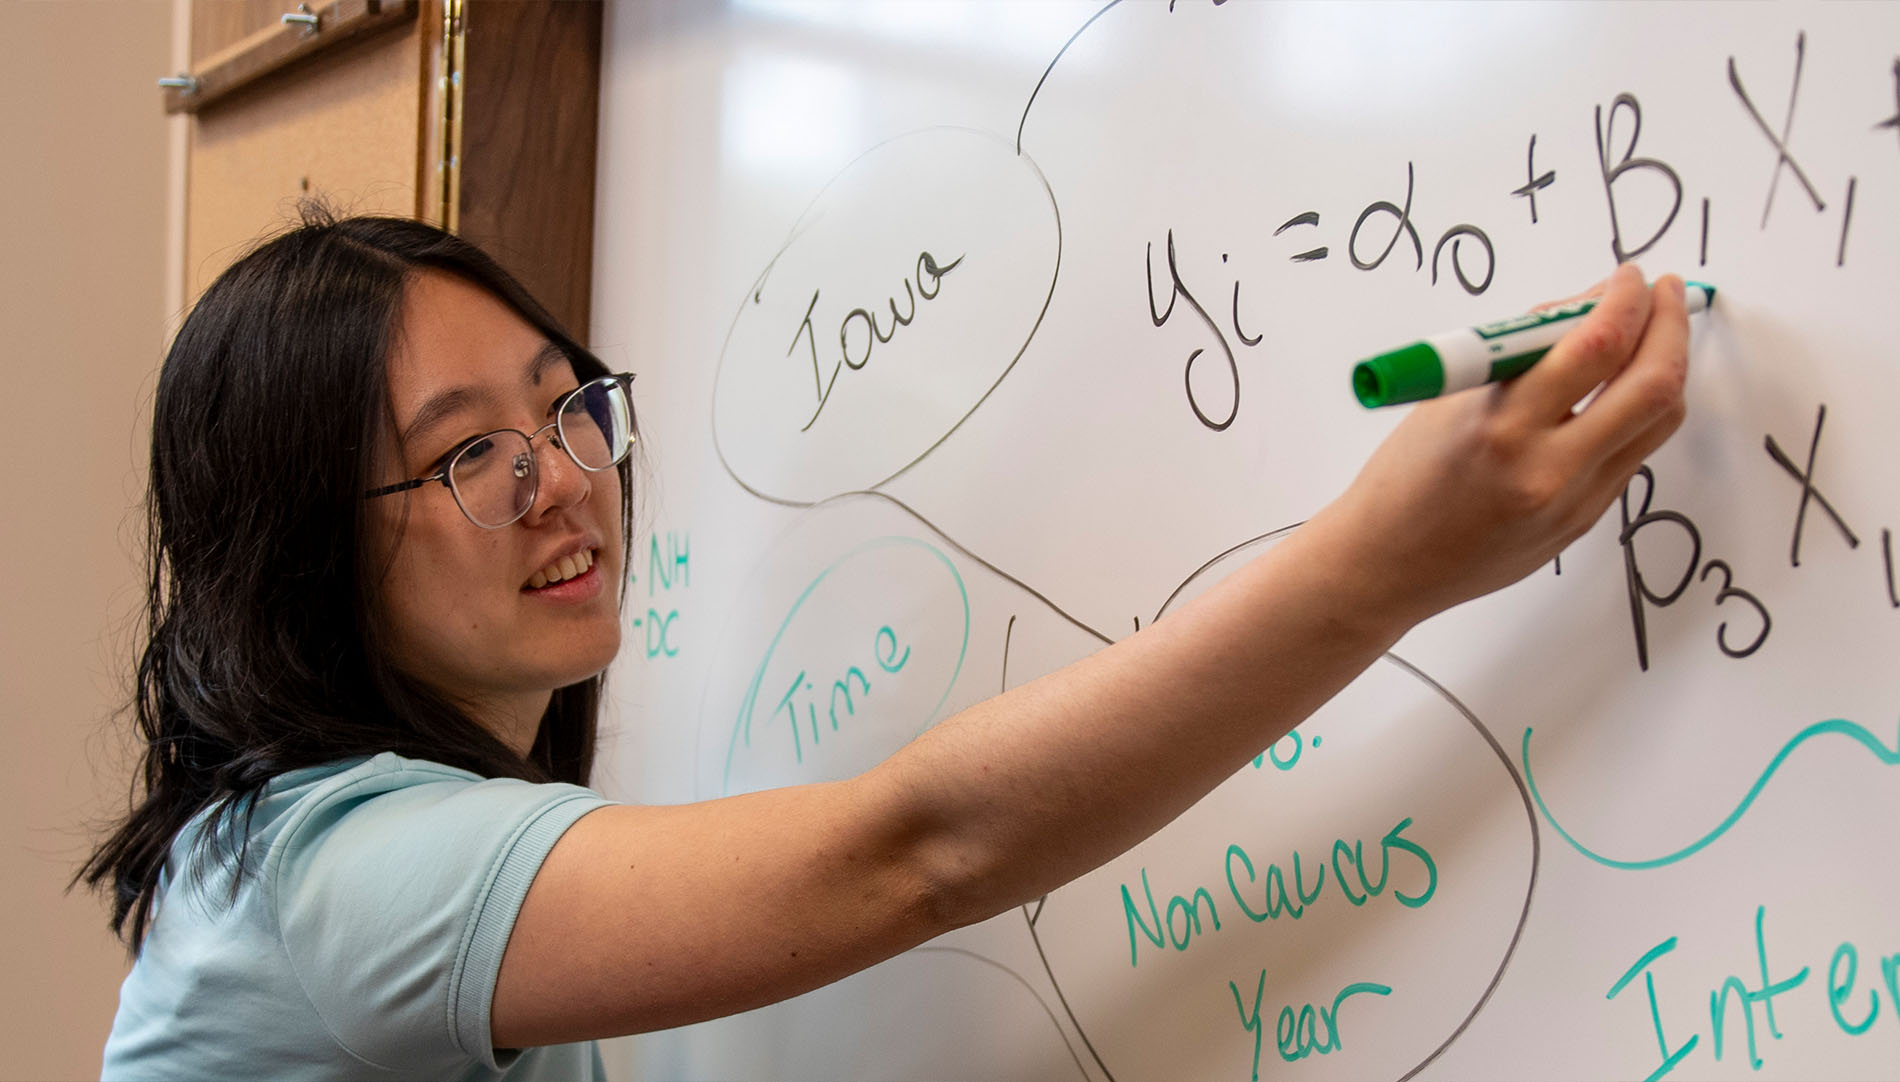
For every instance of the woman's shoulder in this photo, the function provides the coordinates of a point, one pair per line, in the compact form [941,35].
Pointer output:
[388,798]
[375,773]
[384,803]
[288,801]
[385,782]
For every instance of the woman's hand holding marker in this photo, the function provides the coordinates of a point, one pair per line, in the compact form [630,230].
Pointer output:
[1453,361]
[1476,490]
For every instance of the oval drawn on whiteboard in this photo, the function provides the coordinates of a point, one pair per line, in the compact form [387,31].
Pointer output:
[863,623]
[1348,903]
[908,290]
[855,670]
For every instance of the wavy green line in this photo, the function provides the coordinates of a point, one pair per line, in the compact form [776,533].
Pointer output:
[1837,725]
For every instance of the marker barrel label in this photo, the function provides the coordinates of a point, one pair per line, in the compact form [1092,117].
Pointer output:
[1469,357]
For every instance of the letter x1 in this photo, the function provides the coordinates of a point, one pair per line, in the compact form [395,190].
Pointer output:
[1780,142]
[1808,491]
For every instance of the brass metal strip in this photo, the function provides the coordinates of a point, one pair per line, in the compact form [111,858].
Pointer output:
[454,57]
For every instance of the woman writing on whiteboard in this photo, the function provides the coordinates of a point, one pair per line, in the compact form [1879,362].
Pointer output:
[389,513]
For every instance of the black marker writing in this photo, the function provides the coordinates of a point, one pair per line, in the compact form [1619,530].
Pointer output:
[1311,217]
[1886,554]
[1179,290]
[1808,492]
[1847,217]
[1782,157]
[1702,253]
[1534,182]
[1403,228]
[1640,591]
[1452,237]
[1730,590]
[1894,120]
[865,323]
[1238,333]
[804,331]
[1606,138]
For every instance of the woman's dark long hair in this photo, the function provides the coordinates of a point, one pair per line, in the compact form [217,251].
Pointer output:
[263,651]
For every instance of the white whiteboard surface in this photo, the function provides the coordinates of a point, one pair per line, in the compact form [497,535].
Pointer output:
[972,335]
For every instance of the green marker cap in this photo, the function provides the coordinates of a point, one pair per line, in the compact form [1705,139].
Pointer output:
[1410,374]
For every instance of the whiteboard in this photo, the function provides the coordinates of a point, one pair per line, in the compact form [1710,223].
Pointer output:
[973,336]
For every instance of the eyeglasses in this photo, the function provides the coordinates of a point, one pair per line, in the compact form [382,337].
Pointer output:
[494,476]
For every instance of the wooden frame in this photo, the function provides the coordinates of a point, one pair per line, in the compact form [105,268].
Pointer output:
[490,135]
[277,47]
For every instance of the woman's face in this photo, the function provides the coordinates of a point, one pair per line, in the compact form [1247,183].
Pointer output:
[468,611]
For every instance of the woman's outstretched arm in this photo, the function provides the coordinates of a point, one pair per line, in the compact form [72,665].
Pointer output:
[649,917]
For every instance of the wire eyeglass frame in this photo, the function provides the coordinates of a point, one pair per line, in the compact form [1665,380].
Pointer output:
[525,463]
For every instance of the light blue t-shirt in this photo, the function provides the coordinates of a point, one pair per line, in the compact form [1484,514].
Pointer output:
[365,938]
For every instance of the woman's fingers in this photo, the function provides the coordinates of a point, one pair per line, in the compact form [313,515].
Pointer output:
[1615,472]
[1596,349]
[1641,404]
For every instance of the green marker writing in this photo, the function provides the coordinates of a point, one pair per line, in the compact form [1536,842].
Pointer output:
[1471,356]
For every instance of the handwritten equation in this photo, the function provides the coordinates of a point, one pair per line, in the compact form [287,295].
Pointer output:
[1466,252]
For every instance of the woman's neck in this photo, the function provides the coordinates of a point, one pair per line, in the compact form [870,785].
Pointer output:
[515,720]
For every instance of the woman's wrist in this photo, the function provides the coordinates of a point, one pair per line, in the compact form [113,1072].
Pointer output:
[1360,595]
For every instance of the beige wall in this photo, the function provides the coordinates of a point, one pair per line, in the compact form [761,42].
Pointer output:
[83,319]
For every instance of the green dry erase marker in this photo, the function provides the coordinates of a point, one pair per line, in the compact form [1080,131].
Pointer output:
[1455,360]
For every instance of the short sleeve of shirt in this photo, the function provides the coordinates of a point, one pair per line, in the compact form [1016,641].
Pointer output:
[395,892]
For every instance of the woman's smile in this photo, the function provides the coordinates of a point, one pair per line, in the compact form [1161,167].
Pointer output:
[574,577]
